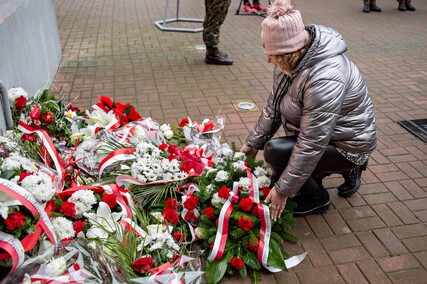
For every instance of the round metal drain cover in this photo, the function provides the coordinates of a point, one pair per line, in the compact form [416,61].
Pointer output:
[246,105]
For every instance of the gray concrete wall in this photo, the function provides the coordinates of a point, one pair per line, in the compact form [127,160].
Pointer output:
[30,50]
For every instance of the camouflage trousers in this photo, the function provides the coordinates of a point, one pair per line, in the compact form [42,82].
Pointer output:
[216,11]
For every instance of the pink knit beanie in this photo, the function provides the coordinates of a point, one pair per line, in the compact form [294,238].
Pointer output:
[282,30]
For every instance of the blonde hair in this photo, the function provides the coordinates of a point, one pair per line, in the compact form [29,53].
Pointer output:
[287,62]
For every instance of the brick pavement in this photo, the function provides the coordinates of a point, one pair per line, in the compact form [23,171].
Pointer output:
[378,235]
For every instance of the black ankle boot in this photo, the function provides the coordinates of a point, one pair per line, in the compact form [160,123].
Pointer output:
[315,203]
[366,8]
[409,6]
[352,181]
[375,8]
[219,58]
[401,6]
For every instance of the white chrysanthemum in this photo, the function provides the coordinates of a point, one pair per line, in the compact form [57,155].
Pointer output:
[56,267]
[63,228]
[156,246]
[217,201]
[81,208]
[15,93]
[260,171]
[221,176]
[244,182]
[85,196]
[263,181]
[180,176]
[239,156]
[16,161]
[40,186]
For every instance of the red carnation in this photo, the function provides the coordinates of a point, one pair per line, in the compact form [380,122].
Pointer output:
[245,223]
[255,211]
[23,175]
[35,113]
[178,236]
[209,212]
[191,202]
[253,245]
[246,204]
[48,117]
[143,264]
[79,226]
[266,191]
[184,122]
[68,209]
[29,137]
[20,102]
[224,192]
[14,221]
[163,146]
[237,263]
[170,216]
[171,203]
[72,108]
[110,199]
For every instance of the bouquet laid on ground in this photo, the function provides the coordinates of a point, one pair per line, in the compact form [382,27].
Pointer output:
[235,223]
[123,198]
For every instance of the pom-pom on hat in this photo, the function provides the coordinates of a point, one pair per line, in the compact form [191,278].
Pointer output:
[282,30]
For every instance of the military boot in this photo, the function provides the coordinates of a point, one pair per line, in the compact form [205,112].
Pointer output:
[373,7]
[402,6]
[366,8]
[218,58]
[409,6]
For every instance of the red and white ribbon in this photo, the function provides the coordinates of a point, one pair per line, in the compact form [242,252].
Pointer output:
[116,156]
[47,142]
[13,248]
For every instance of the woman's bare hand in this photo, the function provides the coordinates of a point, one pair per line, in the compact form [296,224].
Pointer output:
[249,151]
[278,202]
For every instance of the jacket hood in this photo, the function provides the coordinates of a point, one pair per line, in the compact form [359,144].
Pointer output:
[326,43]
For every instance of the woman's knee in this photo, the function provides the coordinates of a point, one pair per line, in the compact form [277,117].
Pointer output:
[278,150]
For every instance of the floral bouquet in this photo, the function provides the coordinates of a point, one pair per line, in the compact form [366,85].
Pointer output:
[235,223]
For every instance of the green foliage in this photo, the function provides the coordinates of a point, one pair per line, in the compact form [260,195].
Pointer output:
[216,269]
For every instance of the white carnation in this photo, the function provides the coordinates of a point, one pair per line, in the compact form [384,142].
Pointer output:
[221,176]
[217,201]
[15,93]
[85,196]
[165,127]
[168,134]
[260,171]
[244,182]
[239,156]
[263,181]
[40,186]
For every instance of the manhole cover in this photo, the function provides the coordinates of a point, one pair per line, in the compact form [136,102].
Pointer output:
[246,105]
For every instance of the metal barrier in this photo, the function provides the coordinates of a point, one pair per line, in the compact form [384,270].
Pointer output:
[161,24]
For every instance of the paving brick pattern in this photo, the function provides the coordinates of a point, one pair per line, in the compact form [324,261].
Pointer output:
[379,235]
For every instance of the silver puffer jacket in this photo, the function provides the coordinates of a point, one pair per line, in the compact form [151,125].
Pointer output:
[327,102]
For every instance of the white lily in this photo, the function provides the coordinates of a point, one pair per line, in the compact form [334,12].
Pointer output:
[103,221]
[5,202]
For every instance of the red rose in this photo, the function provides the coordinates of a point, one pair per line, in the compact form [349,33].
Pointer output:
[184,122]
[266,191]
[79,226]
[35,113]
[245,223]
[246,204]
[71,108]
[178,236]
[29,137]
[224,192]
[237,263]
[68,209]
[20,102]
[14,221]
[191,202]
[208,126]
[171,203]
[143,264]
[171,216]
[23,175]
[110,199]
[163,146]
[76,266]
[253,245]
[48,117]
[209,212]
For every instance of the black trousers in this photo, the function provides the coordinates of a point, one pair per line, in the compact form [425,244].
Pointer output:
[277,152]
